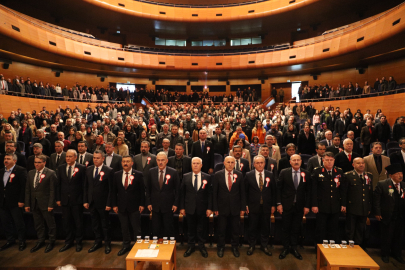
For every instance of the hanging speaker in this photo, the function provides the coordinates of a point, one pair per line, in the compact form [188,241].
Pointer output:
[315,77]
[6,65]
[57,74]
[102,79]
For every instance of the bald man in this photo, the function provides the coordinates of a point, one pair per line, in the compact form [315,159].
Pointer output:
[344,159]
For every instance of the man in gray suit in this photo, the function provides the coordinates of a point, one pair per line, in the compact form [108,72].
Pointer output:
[145,160]
[40,199]
[59,157]
[316,161]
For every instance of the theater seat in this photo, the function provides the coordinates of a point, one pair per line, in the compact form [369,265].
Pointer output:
[392,150]
[218,159]
[392,144]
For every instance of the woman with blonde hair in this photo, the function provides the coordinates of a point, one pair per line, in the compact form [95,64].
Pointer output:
[259,131]
[8,127]
[120,147]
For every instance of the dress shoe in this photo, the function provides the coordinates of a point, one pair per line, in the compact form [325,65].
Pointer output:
[399,259]
[385,259]
[284,253]
[266,251]
[22,246]
[189,251]
[65,247]
[123,251]
[49,247]
[37,247]
[250,251]
[6,245]
[95,247]
[220,252]
[79,247]
[296,254]
[107,248]
[204,252]
[235,252]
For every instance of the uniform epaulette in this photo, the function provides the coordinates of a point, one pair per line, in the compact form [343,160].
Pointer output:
[348,172]
[317,168]
[338,168]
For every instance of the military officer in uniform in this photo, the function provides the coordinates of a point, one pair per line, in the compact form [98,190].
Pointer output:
[357,193]
[326,182]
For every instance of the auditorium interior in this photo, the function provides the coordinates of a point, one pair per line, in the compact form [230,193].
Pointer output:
[298,85]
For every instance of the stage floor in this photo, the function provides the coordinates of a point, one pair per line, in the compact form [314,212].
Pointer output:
[14,259]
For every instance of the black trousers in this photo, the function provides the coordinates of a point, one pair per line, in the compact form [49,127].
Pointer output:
[72,217]
[127,218]
[281,99]
[259,223]
[12,221]
[391,237]
[162,220]
[355,227]
[100,220]
[223,220]
[196,228]
[327,226]
[291,225]
[40,218]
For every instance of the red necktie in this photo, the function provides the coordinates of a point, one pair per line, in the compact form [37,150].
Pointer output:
[229,181]
[369,129]
[126,181]
[350,157]
[397,187]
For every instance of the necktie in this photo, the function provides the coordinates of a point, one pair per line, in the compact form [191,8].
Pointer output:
[267,163]
[161,180]
[361,178]
[350,157]
[126,181]
[229,181]
[321,163]
[330,174]
[369,129]
[37,180]
[81,159]
[237,165]
[397,187]
[329,143]
[70,172]
[57,159]
[96,174]
[196,182]
[261,187]
[202,147]
[296,182]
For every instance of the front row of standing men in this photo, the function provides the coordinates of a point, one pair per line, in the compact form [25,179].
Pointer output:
[227,194]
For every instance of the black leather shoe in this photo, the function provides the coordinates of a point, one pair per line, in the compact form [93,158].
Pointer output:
[189,251]
[123,251]
[49,247]
[385,259]
[65,247]
[204,252]
[79,247]
[22,246]
[266,251]
[220,252]
[107,248]
[235,252]
[296,254]
[250,251]
[284,253]
[399,259]
[95,247]
[6,245]
[37,247]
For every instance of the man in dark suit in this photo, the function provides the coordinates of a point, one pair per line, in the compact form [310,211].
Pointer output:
[112,160]
[204,150]
[326,198]
[368,135]
[344,159]
[270,163]
[196,205]
[11,148]
[293,202]
[260,188]
[166,143]
[144,161]
[179,162]
[44,141]
[40,200]
[128,200]
[389,209]
[83,157]
[335,147]
[306,142]
[175,137]
[399,157]
[285,161]
[97,198]
[228,203]
[328,138]
[357,194]
[341,125]
[316,161]
[241,164]
[219,142]
[69,195]
[37,151]
[58,158]
[12,198]
[356,147]
[162,196]
[8,136]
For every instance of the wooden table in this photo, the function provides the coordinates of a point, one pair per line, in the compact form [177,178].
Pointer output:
[167,255]
[348,258]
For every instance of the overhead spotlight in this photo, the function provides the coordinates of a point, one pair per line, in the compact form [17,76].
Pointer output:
[206,73]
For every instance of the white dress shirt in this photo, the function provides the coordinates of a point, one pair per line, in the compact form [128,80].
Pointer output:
[108,159]
[226,177]
[298,175]
[58,155]
[7,174]
[99,170]
[82,155]
[198,180]
[124,175]
[347,154]
[73,168]
[257,173]
[36,175]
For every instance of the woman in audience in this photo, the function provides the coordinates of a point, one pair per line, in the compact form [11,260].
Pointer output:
[45,126]
[152,136]
[25,135]
[316,120]
[196,131]
[7,127]
[89,136]
[143,137]
[254,146]
[290,136]
[303,115]
[16,127]
[93,97]
[228,131]
[259,131]
[181,129]
[71,135]
[78,138]
[58,90]
[99,145]
[120,147]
